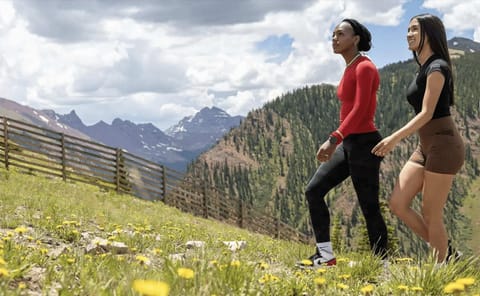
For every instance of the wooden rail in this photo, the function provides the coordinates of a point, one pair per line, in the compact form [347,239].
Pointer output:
[35,149]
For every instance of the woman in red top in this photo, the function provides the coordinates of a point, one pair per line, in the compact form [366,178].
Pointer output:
[347,151]
[441,151]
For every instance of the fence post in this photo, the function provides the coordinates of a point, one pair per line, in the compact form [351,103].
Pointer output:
[117,169]
[64,160]
[164,183]
[5,136]
[242,221]
[205,200]
[277,227]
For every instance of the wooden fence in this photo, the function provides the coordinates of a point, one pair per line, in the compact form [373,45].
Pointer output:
[49,152]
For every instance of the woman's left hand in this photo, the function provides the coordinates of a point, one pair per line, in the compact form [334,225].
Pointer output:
[385,146]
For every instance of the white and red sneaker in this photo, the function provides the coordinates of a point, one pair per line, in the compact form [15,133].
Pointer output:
[316,260]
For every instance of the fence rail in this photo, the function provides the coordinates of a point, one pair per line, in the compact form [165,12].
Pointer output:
[49,152]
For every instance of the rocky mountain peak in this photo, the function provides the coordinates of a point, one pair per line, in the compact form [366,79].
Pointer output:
[464,44]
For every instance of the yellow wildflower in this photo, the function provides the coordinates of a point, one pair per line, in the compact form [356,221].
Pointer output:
[321,270]
[342,286]
[213,263]
[344,276]
[405,260]
[22,285]
[298,274]
[367,289]
[235,263]
[308,271]
[454,288]
[268,278]
[71,260]
[157,251]
[341,259]
[2,261]
[263,265]
[4,272]
[21,230]
[416,289]
[185,273]
[151,288]
[402,287]
[306,262]
[466,281]
[319,281]
[142,259]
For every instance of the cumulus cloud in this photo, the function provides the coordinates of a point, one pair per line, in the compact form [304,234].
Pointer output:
[79,20]
[387,12]
[458,16]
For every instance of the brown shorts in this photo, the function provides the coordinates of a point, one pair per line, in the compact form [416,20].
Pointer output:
[441,149]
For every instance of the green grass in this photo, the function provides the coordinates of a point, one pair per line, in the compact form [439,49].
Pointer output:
[47,224]
[471,209]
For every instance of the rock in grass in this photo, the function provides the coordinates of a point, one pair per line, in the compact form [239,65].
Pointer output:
[235,245]
[195,244]
[100,245]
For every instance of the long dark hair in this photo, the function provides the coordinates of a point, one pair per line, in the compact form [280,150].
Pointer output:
[432,27]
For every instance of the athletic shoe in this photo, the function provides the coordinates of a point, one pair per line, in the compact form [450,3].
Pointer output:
[316,260]
[452,254]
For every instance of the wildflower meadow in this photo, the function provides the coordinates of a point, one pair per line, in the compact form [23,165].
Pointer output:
[65,238]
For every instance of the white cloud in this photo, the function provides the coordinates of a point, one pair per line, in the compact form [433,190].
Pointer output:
[458,16]
[159,61]
[387,12]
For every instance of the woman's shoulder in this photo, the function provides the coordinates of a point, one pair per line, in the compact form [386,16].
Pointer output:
[437,64]
[366,64]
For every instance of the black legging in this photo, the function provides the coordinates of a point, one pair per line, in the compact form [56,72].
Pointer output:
[351,158]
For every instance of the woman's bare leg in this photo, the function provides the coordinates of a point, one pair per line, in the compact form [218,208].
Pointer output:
[435,193]
[409,183]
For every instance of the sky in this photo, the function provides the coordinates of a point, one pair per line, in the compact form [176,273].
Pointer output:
[158,61]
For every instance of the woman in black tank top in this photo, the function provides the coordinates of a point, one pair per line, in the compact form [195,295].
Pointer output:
[441,152]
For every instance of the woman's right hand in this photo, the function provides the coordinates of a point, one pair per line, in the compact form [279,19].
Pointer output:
[385,146]
[325,151]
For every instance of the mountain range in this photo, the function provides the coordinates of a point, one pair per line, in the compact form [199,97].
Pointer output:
[176,147]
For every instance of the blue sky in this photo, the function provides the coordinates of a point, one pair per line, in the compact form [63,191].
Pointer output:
[389,42]
[159,61]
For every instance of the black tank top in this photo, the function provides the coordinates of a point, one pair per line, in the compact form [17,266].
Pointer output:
[416,90]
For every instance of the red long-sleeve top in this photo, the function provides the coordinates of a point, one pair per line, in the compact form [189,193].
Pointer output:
[357,93]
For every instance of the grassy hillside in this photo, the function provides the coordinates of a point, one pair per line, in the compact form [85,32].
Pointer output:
[50,244]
